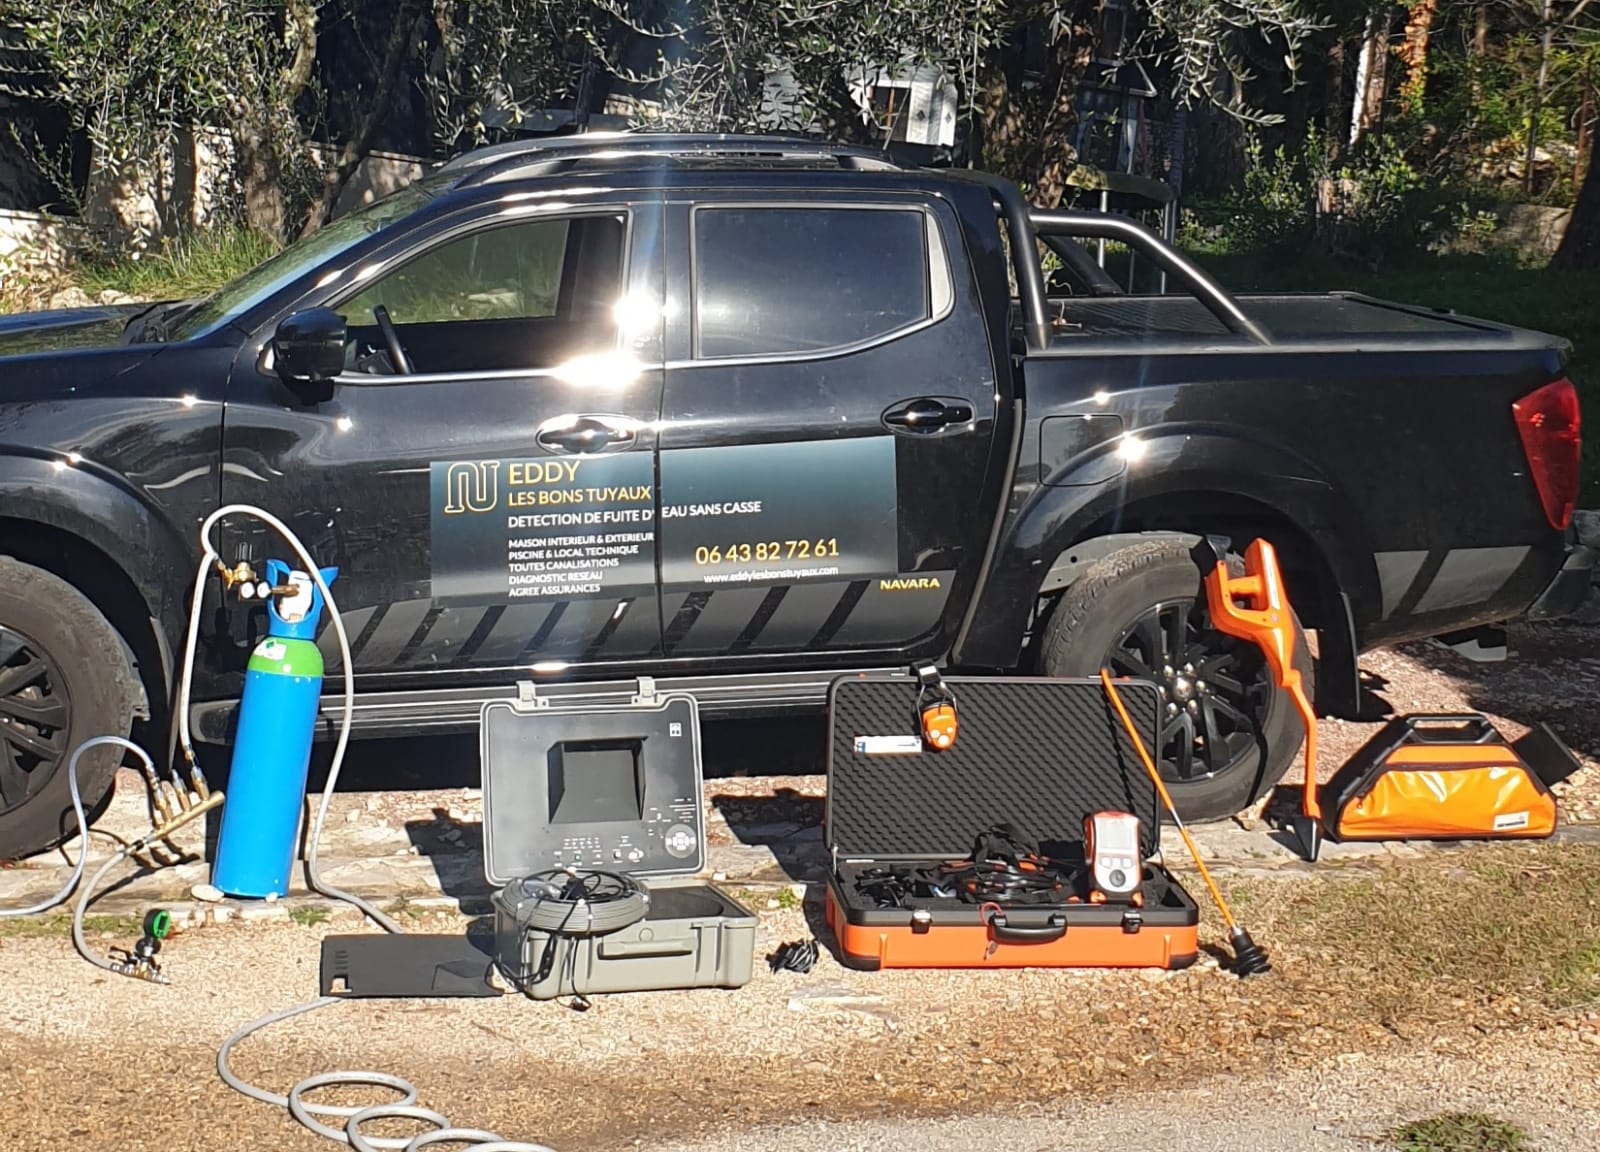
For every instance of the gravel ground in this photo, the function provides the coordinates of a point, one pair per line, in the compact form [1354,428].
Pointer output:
[90,1060]
[1346,1108]
[1316,1056]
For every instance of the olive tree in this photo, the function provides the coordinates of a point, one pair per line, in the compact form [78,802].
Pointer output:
[135,76]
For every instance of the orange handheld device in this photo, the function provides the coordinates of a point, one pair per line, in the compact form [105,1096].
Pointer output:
[1255,607]
[1111,851]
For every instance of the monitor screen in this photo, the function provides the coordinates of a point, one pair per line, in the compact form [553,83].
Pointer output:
[597,782]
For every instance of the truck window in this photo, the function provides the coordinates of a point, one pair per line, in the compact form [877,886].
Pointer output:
[522,295]
[784,281]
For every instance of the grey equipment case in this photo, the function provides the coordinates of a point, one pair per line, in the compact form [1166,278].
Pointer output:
[574,791]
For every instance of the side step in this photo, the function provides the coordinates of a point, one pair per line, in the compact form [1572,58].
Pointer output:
[446,711]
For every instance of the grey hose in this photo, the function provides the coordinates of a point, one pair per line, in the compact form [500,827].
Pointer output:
[476,1139]
[61,895]
[297,1107]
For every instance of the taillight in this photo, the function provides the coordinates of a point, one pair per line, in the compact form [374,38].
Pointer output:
[1548,421]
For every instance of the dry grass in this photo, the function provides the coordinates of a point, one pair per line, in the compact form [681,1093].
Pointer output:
[1519,921]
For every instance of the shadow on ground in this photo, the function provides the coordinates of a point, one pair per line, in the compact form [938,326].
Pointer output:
[730,749]
[1552,677]
[785,822]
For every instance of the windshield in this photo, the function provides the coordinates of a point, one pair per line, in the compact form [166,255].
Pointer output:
[239,296]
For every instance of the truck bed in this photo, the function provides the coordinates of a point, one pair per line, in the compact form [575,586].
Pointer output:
[1302,320]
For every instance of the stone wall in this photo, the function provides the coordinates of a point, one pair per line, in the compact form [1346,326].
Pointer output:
[1531,228]
[183,195]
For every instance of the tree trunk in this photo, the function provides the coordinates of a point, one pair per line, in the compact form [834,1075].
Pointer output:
[1580,244]
[1419,25]
[260,178]
[1363,65]
[1070,57]
[1538,97]
[395,51]
[1480,50]
[260,128]
[1372,77]
[1585,149]
[1333,98]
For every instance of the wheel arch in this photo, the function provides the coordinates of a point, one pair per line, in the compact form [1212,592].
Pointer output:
[1313,585]
[1189,482]
[94,572]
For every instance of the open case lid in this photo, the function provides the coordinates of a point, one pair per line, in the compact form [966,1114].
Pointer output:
[615,788]
[1038,754]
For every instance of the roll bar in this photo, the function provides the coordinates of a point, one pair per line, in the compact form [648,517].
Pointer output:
[1187,272]
[1024,225]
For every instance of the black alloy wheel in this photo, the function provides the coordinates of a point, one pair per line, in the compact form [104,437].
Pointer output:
[1216,691]
[35,716]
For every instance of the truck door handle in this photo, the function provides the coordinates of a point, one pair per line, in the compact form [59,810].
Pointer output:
[574,435]
[927,414]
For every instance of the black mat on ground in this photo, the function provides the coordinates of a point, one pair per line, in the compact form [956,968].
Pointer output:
[401,967]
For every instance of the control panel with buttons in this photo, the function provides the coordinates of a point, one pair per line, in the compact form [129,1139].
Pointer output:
[615,789]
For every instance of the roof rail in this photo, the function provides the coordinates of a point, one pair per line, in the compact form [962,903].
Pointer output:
[521,158]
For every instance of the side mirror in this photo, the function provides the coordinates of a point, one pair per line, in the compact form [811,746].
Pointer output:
[308,350]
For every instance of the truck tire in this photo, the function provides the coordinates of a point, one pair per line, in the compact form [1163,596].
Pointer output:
[1124,613]
[64,679]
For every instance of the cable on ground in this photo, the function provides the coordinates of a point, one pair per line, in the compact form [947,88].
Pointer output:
[302,1111]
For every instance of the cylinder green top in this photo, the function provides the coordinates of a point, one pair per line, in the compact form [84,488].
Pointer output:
[277,656]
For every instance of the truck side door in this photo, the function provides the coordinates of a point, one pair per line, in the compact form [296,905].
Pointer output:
[494,507]
[828,420]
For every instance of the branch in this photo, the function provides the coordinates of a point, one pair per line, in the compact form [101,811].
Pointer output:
[303,18]
[355,149]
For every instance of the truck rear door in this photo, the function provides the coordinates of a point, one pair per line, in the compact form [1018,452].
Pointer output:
[827,423]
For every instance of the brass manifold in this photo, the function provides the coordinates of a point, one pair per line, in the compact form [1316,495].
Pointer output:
[171,823]
[249,584]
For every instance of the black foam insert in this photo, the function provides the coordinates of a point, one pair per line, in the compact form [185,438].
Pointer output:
[1039,754]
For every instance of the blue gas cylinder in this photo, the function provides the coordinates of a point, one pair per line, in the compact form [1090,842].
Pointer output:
[272,745]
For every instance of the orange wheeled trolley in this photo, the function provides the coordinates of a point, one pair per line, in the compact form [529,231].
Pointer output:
[972,855]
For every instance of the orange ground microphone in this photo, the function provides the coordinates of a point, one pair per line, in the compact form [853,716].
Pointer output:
[1255,607]
[1249,959]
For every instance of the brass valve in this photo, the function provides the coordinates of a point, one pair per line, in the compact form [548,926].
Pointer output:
[241,573]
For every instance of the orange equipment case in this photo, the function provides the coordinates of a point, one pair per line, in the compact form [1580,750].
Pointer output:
[1032,757]
[1447,777]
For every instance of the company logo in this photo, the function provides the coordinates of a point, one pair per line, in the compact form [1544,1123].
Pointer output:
[471,486]
[912,584]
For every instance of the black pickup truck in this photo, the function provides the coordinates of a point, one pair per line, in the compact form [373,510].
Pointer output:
[742,414]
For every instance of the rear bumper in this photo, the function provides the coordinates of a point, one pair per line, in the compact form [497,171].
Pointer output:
[1570,587]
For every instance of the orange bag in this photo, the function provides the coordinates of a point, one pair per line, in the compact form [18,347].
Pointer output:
[1447,777]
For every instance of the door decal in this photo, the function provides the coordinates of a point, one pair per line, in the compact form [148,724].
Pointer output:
[765,514]
[520,531]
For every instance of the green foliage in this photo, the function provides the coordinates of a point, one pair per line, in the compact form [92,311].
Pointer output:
[512,272]
[1373,203]
[1459,1132]
[192,265]
[133,74]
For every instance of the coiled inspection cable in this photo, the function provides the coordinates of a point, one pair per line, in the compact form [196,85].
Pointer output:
[607,901]
[294,1102]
